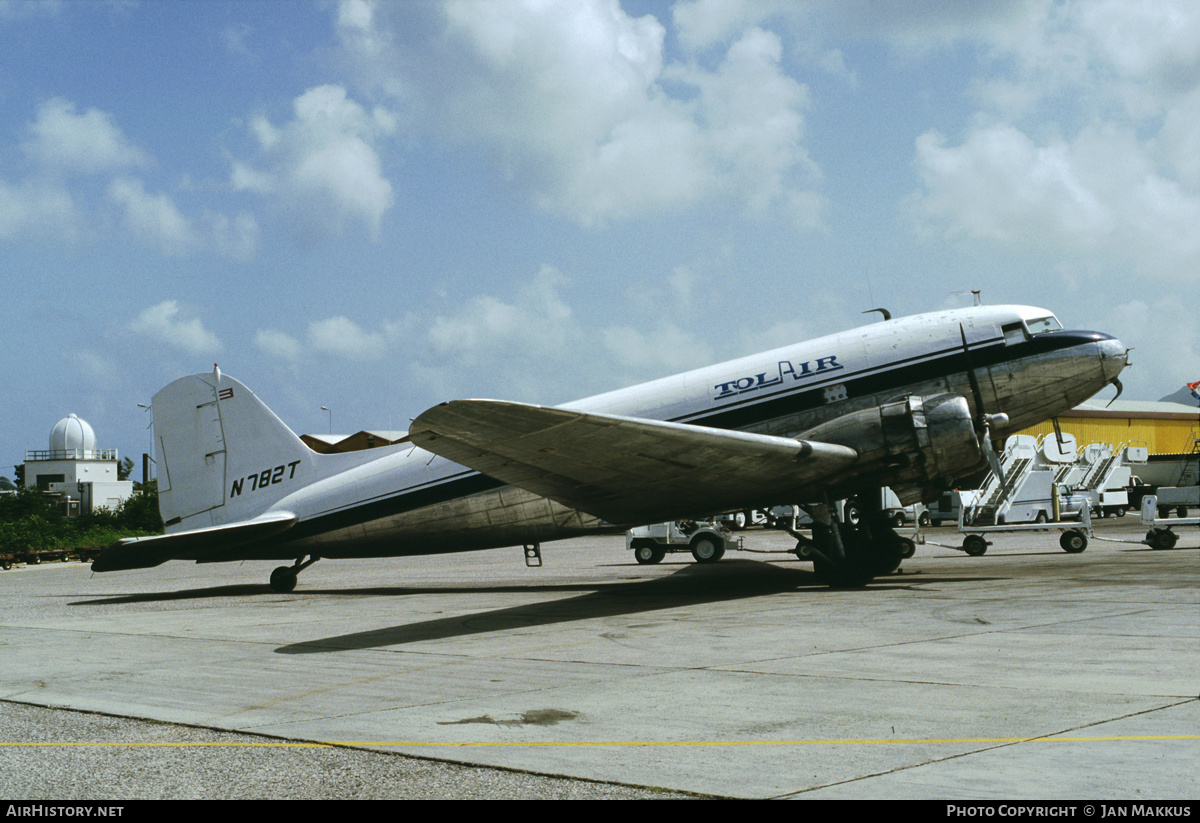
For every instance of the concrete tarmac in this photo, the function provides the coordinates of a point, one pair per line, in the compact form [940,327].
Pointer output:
[1027,673]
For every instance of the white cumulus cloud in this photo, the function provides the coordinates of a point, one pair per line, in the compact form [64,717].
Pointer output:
[338,337]
[162,323]
[342,337]
[1087,143]
[37,208]
[322,168]
[63,139]
[575,104]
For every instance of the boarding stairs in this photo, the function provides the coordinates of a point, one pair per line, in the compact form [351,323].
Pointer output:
[1190,476]
[1100,461]
[993,496]
[1030,466]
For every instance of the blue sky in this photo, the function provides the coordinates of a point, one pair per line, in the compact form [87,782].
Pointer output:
[375,207]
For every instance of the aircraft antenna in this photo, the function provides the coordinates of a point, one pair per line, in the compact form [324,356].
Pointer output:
[974,292]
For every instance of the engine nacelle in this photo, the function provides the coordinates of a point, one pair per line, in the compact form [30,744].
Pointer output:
[928,442]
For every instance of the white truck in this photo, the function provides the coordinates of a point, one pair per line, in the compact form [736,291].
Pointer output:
[707,540]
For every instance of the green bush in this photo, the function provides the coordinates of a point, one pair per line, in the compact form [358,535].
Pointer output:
[30,521]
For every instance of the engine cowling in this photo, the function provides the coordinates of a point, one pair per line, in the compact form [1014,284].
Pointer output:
[920,443]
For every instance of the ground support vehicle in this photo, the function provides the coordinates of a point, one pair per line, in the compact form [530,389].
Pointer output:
[34,557]
[1177,499]
[1160,535]
[1104,475]
[1074,537]
[707,540]
[738,520]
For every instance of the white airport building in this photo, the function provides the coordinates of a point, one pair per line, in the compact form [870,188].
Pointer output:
[85,477]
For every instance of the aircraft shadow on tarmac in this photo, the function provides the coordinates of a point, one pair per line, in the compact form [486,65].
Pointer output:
[690,586]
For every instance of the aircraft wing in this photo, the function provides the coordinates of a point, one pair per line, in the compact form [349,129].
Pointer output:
[624,470]
[144,552]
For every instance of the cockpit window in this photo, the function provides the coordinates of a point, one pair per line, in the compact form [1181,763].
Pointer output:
[1044,324]
[1014,333]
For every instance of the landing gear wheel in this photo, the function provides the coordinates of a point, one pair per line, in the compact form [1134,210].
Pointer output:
[648,554]
[707,549]
[1161,539]
[886,556]
[283,579]
[1073,542]
[907,548]
[849,575]
[974,545]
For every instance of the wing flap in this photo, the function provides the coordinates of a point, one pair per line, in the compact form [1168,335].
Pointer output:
[146,552]
[623,469]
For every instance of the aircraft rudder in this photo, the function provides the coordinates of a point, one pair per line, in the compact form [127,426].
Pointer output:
[223,454]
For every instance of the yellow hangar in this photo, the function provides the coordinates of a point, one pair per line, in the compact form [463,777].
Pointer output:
[1162,427]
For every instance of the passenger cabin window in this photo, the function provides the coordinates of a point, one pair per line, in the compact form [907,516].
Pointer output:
[1014,333]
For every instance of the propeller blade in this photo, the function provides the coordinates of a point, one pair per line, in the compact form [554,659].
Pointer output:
[989,449]
[975,390]
[1116,382]
[983,421]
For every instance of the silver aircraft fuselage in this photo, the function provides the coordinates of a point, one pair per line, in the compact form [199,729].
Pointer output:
[404,500]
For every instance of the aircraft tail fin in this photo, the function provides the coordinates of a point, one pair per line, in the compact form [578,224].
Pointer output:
[223,456]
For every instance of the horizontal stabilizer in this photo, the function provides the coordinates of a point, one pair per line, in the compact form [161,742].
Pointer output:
[625,470]
[145,552]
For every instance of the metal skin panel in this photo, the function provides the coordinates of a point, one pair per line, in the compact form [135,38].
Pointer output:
[403,500]
[624,470]
[191,451]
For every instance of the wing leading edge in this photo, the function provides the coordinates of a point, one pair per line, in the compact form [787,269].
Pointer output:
[624,470]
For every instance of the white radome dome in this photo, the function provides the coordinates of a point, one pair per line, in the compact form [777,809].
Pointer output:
[72,433]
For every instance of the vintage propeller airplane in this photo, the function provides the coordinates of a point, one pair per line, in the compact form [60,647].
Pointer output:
[912,403]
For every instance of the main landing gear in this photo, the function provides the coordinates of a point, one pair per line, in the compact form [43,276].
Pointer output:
[283,579]
[853,553]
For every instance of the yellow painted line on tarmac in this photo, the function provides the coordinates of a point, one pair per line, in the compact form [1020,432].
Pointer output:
[153,744]
[627,743]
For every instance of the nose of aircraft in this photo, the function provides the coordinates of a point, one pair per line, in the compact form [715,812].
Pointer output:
[1114,357]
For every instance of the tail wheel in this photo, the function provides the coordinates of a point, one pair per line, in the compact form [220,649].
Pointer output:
[283,579]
